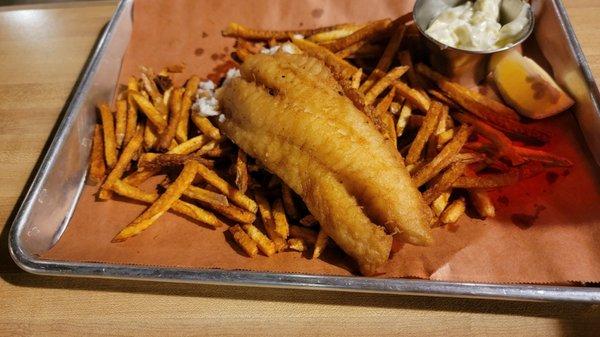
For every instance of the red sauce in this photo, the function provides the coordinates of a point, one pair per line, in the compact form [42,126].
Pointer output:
[551,177]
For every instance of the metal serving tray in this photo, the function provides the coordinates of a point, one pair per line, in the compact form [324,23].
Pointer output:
[51,199]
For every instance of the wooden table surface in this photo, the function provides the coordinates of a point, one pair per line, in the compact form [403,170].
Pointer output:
[42,51]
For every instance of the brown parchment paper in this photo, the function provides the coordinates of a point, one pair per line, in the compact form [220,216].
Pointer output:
[547,229]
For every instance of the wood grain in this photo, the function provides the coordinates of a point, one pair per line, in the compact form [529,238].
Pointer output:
[42,51]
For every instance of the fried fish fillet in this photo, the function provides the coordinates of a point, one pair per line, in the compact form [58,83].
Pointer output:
[289,112]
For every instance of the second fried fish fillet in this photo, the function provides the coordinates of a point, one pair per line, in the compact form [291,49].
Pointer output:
[289,112]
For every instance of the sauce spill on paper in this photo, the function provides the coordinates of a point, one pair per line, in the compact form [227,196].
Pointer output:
[525,221]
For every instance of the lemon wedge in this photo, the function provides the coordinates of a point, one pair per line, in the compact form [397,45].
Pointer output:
[526,86]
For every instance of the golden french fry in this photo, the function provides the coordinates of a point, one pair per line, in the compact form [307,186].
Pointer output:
[232,193]
[158,161]
[453,211]
[288,201]
[500,141]
[392,47]
[130,150]
[340,32]
[426,130]
[181,207]
[384,104]
[131,124]
[242,54]
[154,115]
[150,136]
[262,241]
[108,129]
[167,136]
[355,80]
[281,224]
[309,236]
[444,183]
[482,202]
[351,50]
[383,83]
[120,121]
[191,145]
[335,63]
[205,126]
[206,196]
[269,221]
[162,204]
[443,159]
[297,244]
[186,103]
[309,221]
[320,244]
[544,157]
[403,118]
[241,171]
[443,98]
[440,203]
[244,241]
[97,165]
[368,32]
[415,97]
[239,31]
[444,137]
[150,87]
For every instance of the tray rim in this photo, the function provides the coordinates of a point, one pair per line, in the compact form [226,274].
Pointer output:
[34,265]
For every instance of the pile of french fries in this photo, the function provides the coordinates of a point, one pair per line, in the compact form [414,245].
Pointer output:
[455,142]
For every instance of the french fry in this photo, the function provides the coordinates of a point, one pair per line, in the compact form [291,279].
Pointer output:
[482,202]
[288,201]
[281,224]
[191,145]
[150,87]
[426,130]
[383,83]
[444,137]
[181,207]
[388,54]
[443,98]
[154,116]
[233,213]
[500,141]
[205,126]
[320,244]
[167,136]
[242,54]
[232,193]
[444,183]
[244,241]
[117,172]
[162,204]
[440,203]
[297,244]
[384,104]
[403,118]
[388,121]
[487,181]
[308,235]
[442,159]
[131,124]
[309,221]
[160,161]
[97,169]
[355,80]
[392,47]
[453,212]
[416,98]
[241,171]
[186,103]
[120,121]
[108,129]
[367,32]
[262,241]
[206,196]
[544,157]
[150,136]
[239,31]
[340,32]
[268,221]
[338,65]
[351,50]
